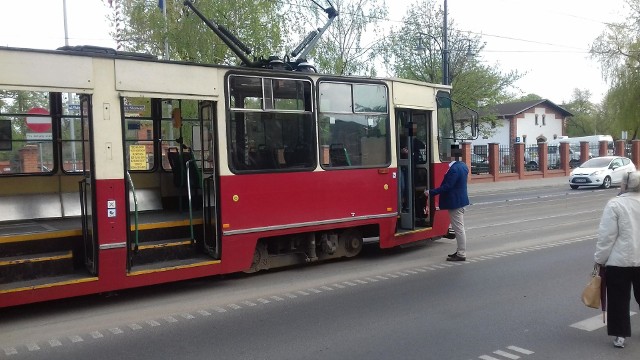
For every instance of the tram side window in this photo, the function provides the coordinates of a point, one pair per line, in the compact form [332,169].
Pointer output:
[172,132]
[353,125]
[26,141]
[271,125]
[71,133]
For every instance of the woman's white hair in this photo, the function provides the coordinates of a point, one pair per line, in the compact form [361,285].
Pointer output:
[633,181]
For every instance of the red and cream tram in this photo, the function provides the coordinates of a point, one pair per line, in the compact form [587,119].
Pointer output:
[118,170]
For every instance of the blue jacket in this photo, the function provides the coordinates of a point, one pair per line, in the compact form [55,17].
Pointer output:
[453,190]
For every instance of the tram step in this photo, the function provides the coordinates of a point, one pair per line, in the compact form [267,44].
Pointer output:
[36,243]
[167,230]
[163,250]
[33,266]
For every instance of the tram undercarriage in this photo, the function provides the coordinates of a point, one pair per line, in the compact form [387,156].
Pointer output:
[304,248]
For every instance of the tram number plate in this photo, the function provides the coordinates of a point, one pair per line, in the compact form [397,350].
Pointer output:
[579,180]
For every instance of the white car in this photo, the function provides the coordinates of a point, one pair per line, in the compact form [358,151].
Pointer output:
[601,171]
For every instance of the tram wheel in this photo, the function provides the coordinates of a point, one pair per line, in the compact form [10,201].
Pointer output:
[352,242]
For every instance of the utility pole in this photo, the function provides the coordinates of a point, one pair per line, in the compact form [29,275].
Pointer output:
[445,49]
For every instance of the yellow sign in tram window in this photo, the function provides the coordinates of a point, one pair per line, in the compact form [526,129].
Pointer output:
[137,157]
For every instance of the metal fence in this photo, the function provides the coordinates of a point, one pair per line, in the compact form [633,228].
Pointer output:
[506,158]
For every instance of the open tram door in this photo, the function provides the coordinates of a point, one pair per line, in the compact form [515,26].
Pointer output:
[413,153]
[210,231]
[87,189]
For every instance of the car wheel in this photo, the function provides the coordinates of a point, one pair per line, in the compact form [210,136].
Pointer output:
[606,183]
[573,186]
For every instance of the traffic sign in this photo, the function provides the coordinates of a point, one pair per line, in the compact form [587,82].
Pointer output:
[38,123]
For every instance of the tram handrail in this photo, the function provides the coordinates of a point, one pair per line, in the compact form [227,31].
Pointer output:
[135,210]
[188,165]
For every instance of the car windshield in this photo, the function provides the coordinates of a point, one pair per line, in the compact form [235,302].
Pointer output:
[596,163]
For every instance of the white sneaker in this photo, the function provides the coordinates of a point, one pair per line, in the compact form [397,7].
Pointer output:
[618,342]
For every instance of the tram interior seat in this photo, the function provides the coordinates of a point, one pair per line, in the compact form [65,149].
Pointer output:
[338,155]
[179,163]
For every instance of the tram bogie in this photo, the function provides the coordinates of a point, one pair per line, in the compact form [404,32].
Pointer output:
[301,248]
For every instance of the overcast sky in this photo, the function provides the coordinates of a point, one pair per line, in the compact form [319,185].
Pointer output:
[546,39]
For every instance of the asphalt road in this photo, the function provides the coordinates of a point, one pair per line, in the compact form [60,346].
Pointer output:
[517,297]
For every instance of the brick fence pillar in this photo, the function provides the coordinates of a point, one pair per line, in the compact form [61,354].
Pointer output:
[466,157]
[565,158]
[618,149]
[584,151]
[543,159]
[603,148]
[635,152]
[29,159]
[494,160]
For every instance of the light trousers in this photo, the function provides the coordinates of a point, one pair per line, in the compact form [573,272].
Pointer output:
[456,216]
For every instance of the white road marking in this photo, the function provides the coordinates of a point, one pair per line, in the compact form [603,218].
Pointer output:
[33,347]
[75,339]
[187,316]
[151,323]
[55,342]
[98,334]
[135,326]
[204,312]
[234,306]
[263,301]
[506,354]
[487,357]
[592,323]
[520,350]
[10,351]
[169,319]
[116,331]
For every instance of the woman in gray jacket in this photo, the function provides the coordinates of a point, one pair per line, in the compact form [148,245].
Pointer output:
[618,249]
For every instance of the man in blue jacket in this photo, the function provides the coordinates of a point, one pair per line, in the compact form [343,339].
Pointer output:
[454,197]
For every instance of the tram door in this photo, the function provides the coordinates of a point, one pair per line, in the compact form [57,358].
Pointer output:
[413,166]
[211,236]
[87,187]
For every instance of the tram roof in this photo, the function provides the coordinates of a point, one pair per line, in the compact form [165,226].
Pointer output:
[105,52]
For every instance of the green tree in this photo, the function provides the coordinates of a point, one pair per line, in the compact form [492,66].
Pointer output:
[140,26]
[586,119]
[529,97]
[344,49]
[618,51]
[474,84]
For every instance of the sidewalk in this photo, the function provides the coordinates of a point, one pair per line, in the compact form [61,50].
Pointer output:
[487,187]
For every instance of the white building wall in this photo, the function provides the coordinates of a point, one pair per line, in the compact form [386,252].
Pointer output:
[500,135]
[548,126]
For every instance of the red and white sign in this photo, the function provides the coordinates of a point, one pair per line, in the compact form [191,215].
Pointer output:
[38,123]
